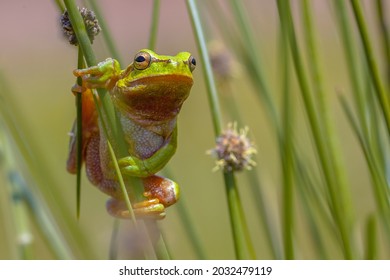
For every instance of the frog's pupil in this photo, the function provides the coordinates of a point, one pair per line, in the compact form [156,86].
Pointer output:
[140,59]
[193,61]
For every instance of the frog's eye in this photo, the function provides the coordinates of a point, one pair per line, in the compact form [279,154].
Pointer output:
[192,63]
[142,60]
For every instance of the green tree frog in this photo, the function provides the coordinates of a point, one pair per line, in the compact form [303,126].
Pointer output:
[148,96]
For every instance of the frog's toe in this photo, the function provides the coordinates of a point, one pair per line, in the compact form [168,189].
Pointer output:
[148,209]
[77,89]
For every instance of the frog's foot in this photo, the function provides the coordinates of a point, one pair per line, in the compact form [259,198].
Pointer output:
[148,209]
[104,75]
[165,190]
[133,166]
[159,192]
[77,89]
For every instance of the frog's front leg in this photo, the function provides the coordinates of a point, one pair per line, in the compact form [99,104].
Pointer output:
[160,193]
[133,166]
[104,75]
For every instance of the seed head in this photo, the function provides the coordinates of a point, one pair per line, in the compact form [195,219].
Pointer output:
[233,150]
[90,21]
[222,61]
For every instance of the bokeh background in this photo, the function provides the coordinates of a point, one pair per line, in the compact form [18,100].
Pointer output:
[37,62]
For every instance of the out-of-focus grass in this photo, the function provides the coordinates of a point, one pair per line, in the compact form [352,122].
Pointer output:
[37,69]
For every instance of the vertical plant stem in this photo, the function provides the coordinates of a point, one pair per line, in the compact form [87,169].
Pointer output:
[113,252]
[352,62]
[226,30]
[371,238]
[154,25]
[79,129]
[378,178]
[382,96]
[189,227]
[287,152]
[24,237]
[161,248]
[340,206]
[18,209]
[240,232]
[381,16]
[105,31]
[367,129]
[206,67]
[323,108]
[254,58]
[187,221]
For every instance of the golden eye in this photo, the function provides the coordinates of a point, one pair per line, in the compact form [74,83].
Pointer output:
[192,63]
[142,60]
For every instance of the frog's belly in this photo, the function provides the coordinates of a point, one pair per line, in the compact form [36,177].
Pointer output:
[142,142]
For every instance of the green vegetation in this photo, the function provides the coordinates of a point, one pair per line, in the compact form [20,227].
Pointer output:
[302,89]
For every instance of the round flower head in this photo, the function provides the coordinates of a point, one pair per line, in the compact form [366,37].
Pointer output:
[233,150]
[90,21]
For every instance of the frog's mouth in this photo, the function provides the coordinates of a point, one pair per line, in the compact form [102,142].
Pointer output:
[154,98]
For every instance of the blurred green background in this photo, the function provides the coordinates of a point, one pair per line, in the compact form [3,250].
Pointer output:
[37,62]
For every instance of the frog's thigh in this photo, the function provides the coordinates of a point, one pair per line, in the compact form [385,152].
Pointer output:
[164,189]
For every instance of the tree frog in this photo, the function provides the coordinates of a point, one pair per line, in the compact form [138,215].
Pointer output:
[148,96]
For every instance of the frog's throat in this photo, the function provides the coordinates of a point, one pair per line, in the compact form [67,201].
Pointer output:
[152,100]
[145,119]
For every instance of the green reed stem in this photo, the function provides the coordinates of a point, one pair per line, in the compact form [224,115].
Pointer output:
[212,93]
[154,25]
[383,25]
[189,228]
[19,211]
[340,205]
[352,62]
[113,252]
[378,178]
[323,108]
[106,32]
[241,238]
[254,178]
[371,238]
[161,248]
[382,96]
[79,129]
[254,59]
[187,221]
[287,152]
[240,234]
[367,129]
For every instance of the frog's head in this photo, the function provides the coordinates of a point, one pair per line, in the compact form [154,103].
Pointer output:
[154,86]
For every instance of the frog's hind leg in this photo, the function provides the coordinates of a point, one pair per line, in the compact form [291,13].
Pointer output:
[94,170]
[148,209]
[165,190]
[160,193]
